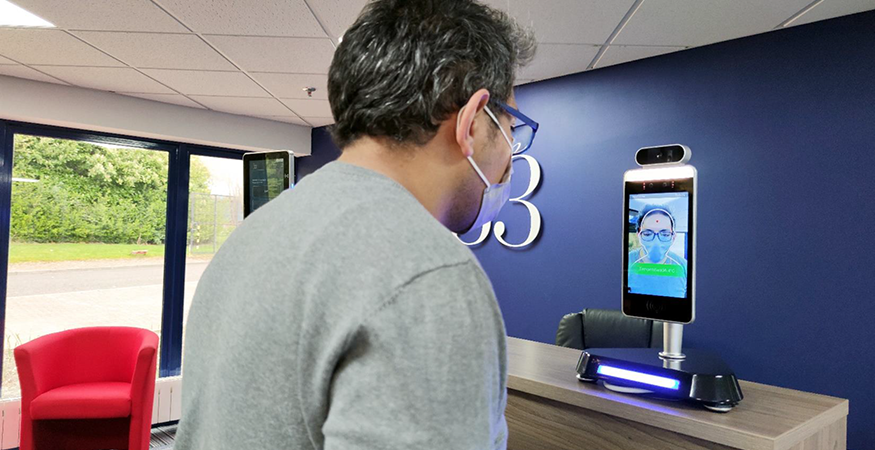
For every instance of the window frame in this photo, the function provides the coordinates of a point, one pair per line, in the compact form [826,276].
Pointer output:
[175,242]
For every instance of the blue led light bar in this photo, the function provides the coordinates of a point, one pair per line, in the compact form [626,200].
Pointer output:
[639,377]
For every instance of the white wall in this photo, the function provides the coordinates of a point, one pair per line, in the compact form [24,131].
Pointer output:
[86,109]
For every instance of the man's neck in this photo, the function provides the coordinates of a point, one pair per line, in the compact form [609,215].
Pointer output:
[412,168]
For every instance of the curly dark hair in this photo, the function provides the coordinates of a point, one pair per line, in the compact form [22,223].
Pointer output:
[404,66]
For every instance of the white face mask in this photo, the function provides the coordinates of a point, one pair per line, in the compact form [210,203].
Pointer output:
[495,195]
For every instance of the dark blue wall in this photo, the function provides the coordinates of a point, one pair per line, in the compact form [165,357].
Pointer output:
[782,128]
[323,151]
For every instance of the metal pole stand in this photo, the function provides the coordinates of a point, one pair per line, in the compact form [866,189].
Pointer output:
[672,341]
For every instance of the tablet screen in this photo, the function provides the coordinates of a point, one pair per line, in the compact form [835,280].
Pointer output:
[266,176]
[658,244]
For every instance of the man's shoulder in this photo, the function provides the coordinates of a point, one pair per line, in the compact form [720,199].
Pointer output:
[341,233]
[677,259]
[407,237]
[384,219]
[634,256]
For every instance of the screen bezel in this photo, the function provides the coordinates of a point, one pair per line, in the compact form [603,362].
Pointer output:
[655,307]
[263,156]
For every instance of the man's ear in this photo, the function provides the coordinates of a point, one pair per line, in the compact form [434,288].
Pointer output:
[465,121]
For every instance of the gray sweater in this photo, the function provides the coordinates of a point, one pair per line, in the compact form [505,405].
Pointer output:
[342,315]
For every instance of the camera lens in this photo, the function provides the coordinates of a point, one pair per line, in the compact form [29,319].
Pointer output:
[660,155]
[654,156]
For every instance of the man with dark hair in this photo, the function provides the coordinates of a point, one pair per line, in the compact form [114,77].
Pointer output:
[344,314]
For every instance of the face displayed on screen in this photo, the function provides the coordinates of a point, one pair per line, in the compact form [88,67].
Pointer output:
[658,244]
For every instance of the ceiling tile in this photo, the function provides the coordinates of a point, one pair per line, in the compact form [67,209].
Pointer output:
[41,46]
[834,8]
[570,21]
[554,60]
[310,108]
[244,105]
[7,61]
[319,121]
[161,51]
[191,82]
[289,55]
[174,99]
[20,71]
[115,79]
[696,22]
[111,15]
[337,15]
[618,54]
[247,18]
[557,21]
[287,119]
[284,85]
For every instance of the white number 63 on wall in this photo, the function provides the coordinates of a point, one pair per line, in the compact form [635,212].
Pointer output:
[534,214]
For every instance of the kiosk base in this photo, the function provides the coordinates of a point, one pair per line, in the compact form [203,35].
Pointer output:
[702,377]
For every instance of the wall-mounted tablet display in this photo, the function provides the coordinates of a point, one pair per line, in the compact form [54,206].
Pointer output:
[265,176]
[659,244]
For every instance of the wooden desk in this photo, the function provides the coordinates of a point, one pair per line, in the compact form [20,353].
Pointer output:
[548,408]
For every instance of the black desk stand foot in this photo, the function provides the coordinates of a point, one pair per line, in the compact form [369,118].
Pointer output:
[697,376]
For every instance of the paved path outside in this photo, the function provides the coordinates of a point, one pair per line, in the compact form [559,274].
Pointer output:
[56,281]
[40,302]
[41,266]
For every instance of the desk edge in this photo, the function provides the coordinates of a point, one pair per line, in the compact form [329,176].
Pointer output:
[802,432]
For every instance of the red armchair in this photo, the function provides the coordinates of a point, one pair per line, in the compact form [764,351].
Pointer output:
[87,388]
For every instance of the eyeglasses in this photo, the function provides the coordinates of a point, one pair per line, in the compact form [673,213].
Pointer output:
[648,235]
[523,132]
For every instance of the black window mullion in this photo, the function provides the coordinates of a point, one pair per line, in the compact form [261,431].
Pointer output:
[6,142]
[174,262]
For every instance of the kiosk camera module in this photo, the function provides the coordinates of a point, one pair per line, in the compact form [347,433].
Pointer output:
[663,154]
[659,243]
[265,176]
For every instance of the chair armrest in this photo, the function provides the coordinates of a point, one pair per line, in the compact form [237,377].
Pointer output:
[143,379]
[40,363]
[570,331]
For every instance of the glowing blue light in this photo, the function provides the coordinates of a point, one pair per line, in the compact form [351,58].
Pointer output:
[639,377]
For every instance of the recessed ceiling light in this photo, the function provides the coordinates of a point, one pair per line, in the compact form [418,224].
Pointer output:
[15,16]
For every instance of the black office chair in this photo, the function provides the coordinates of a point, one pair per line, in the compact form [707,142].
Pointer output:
[607,328]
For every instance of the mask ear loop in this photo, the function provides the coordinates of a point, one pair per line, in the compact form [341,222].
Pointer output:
[642,246]
[470,158]
[506,139]
[509,143]
[479,172]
